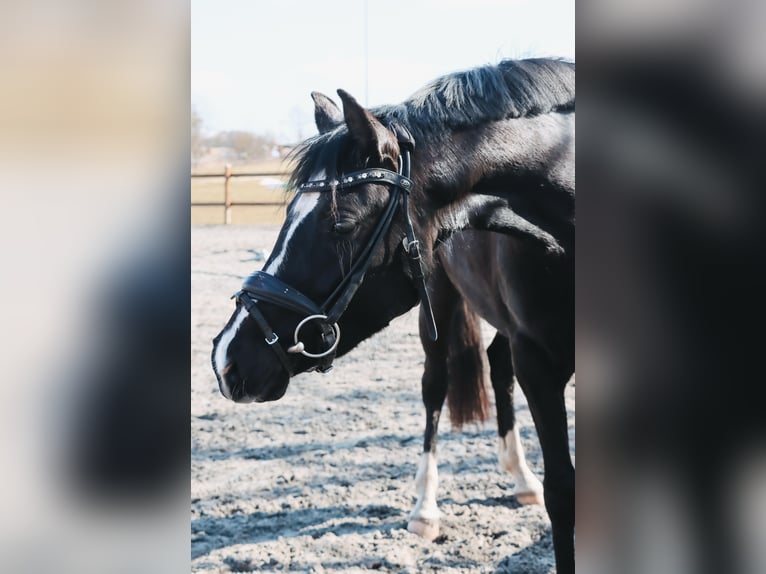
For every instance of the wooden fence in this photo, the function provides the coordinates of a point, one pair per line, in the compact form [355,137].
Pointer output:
[227,202]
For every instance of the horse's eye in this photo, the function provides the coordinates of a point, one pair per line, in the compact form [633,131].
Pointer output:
[343,227]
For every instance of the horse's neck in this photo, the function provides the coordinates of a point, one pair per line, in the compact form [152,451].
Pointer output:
[540,146]
[528,162]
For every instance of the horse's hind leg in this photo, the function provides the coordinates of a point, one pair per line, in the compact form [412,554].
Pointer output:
[529,489]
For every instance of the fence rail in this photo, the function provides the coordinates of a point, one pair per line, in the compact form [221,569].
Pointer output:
[227,203]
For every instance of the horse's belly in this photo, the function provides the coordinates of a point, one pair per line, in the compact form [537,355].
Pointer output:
[511,288]
[469,262]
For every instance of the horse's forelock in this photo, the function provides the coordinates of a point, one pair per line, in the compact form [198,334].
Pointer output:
[318,153]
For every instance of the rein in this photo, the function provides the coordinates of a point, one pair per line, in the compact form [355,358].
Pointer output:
[261,286]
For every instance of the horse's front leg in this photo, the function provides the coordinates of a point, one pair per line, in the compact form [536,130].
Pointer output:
[424,519]
[543,382]
[528,488]
[449,312]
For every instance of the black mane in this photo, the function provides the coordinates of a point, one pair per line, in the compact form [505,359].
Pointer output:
[510,89]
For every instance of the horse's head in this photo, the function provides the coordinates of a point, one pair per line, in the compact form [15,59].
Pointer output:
[340,254]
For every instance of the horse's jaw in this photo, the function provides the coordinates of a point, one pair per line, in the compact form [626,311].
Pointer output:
[362,322]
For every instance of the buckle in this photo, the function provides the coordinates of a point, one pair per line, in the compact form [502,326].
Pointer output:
[272,341]
[407,244]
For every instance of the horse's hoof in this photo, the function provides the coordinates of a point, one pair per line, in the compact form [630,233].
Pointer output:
[530,498]
[425,529]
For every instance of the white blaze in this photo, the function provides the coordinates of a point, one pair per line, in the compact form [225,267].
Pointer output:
[221,349]
[304,204]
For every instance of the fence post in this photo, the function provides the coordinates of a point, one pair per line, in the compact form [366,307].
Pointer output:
[227,196]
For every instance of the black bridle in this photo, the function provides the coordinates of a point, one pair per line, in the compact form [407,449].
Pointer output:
[261,286]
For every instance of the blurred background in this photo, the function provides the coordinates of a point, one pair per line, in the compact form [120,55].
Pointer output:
[94,164]
[671,460]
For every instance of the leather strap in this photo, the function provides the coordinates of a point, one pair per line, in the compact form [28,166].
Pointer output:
[377,175]
[340,298]
[412,248]
[273,290]
[264,287]
[271,338]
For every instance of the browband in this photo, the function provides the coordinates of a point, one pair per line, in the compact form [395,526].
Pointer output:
[379,175]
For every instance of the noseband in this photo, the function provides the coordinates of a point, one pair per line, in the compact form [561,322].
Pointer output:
[260,286]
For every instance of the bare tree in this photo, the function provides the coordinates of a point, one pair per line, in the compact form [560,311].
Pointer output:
[198,147]
[247,145]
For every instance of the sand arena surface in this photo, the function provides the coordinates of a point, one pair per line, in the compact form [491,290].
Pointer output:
[323,480]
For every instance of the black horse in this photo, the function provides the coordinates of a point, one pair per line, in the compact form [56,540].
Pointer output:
[381,195]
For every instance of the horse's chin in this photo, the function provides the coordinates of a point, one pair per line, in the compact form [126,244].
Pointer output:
[273,391]
[245,392]
[272,395]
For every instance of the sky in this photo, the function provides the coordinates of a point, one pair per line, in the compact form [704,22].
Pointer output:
[254,63]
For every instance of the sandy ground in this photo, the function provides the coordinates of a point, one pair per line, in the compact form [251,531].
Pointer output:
[323,479]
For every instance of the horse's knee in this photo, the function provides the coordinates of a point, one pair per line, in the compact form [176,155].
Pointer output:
[499,359]
[536,368]
[559,492]
[434,385]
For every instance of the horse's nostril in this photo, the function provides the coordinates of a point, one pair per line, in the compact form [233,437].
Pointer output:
[229,381]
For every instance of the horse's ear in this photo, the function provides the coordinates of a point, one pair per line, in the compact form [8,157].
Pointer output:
[366,130]
[492,213]
[326,114]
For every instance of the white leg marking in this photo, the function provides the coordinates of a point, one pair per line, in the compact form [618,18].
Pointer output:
[222,348]
[304,204]
[529,489]
[424,519]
